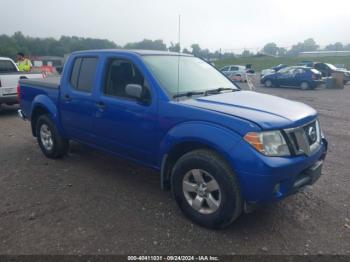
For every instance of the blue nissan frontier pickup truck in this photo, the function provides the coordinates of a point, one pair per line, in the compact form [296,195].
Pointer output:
[222,151]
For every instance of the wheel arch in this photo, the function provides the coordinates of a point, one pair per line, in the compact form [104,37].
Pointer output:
[181,140]
[43,105]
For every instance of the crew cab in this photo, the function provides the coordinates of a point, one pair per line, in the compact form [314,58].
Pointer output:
[294,76]
[9,76]
[221,151]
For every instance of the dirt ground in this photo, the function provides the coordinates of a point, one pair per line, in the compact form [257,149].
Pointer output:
[93,203]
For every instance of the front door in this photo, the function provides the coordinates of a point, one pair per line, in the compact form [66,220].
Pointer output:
[285,77]
[124,125]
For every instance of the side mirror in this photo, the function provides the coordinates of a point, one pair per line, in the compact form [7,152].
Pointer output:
[134,91]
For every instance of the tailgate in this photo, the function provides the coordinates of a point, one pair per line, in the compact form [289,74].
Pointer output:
[8,84]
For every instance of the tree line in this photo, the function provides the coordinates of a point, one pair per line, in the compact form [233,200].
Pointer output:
[308,45]
[11,45]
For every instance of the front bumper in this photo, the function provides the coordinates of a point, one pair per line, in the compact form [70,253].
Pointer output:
[266,179]
[316,83]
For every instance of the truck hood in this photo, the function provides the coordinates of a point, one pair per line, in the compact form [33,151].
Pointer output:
[269,112]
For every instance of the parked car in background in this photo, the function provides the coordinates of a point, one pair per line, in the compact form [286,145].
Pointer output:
[9,76]
[295,76]
[327,69]
[252,148]
[235,72]
[272,70]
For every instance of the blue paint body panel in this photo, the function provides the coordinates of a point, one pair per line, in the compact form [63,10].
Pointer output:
[295,78]
[147,133]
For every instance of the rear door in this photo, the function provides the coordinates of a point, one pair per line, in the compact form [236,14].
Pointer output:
[300,75]
[77,103]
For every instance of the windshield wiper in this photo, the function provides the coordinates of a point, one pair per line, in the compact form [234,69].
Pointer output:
[188,94]
[218,90]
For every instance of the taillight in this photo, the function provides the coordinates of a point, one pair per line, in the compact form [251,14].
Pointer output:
[18,93]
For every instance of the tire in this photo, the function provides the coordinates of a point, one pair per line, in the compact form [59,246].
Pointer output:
[304,85]
[210,167]
[51,143]
[268,83]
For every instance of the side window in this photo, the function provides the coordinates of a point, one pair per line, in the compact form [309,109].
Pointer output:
[234,68]
[75,73]
[7,66]
[120,73]
[225,69]
[83,73]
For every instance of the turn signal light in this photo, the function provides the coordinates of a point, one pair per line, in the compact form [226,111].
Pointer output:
[254,139]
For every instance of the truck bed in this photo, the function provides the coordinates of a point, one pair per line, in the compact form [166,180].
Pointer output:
[50,82]
[38,89]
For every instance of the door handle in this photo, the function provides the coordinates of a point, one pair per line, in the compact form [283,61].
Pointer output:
[67,97]
[100,105]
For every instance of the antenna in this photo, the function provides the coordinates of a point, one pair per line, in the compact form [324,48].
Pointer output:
[178,57]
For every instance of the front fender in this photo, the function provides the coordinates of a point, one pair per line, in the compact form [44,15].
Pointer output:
[213,136]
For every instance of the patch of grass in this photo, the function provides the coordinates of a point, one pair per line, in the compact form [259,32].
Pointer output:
[260,63]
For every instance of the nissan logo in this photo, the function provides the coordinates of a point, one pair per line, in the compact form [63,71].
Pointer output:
[311,132]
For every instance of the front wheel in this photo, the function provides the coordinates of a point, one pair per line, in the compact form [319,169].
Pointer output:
[52,144]
[305,86]
[268,83]
[206,189]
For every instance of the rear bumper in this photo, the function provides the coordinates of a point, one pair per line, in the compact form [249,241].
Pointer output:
[10,99]
[267,179]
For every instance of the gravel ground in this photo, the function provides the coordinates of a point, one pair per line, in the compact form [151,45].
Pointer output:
[93,203]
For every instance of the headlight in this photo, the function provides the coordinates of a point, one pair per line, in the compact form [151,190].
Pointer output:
[270,143]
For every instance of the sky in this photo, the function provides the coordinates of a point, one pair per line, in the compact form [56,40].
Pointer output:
[226,24]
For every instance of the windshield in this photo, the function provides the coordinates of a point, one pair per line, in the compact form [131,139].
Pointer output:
[285,69]
[195,74]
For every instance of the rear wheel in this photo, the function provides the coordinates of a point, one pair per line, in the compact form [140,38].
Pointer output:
[52,144]
[268,83]
[206,189]
[304,85]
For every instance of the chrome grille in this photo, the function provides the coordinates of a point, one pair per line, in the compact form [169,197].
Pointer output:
[305,139]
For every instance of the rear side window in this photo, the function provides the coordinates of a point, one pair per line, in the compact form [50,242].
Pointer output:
[7,66]
[83,73]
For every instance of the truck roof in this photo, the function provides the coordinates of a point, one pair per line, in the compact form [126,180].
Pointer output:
[5,58]
[133,51]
